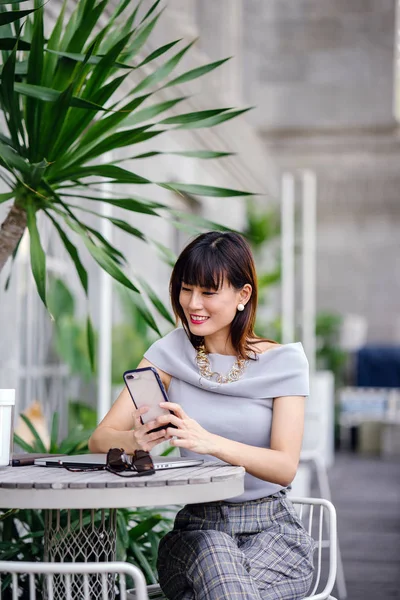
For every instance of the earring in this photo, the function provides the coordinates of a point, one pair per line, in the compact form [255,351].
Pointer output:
[240,307]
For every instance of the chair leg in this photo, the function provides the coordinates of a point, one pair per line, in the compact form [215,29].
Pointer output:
[325,491]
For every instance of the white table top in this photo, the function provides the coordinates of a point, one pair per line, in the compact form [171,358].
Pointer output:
[57,488]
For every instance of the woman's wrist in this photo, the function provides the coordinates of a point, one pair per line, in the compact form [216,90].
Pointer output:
[105,438]
[220,447]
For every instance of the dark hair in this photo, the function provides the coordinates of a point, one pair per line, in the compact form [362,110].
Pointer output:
[206,262]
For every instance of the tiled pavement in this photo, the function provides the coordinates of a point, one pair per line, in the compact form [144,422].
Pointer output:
[366,493]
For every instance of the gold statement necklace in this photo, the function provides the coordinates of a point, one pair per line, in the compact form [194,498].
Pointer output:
[203,362]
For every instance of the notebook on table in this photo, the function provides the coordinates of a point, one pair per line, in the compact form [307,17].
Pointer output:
[87,461]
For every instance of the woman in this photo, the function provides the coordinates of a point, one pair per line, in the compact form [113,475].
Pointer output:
[238,398]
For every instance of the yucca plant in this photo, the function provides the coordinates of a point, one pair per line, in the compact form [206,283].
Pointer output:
[73,98]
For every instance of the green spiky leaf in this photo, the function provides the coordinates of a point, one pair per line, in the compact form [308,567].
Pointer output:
[91,343]
[203,190]
[9,44]
[196,73]
[14,15]
[155,300]
[38,256]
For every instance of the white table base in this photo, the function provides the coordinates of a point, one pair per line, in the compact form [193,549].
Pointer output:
[80,536]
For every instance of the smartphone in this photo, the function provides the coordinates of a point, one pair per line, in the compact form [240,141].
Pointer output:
[146,389]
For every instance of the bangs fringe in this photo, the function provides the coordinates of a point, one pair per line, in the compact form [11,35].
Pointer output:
[204,269]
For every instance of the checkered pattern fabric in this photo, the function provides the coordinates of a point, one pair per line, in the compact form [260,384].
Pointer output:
[256,550]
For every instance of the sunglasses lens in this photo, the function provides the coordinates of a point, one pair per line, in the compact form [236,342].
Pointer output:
[142,461]
[115,459]
[120,463]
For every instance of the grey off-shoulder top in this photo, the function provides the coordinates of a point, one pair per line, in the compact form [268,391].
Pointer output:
[241,410]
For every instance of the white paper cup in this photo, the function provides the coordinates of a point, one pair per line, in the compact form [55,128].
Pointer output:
[7,403]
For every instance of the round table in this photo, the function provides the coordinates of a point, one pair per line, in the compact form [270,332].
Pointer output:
[87,529]
[56,488]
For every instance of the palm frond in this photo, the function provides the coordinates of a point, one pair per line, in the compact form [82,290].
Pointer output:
[84,92]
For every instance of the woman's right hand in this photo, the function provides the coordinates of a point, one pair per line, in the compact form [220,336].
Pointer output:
[142,438]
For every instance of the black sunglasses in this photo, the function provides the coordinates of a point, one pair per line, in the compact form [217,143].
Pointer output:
[121,464]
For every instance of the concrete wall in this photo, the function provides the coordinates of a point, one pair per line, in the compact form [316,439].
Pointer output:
[321,75]
[319,63]
[358,223]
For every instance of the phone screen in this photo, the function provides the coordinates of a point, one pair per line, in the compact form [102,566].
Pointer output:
[146,389]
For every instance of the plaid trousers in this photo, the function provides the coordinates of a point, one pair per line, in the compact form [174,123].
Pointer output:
[255,550]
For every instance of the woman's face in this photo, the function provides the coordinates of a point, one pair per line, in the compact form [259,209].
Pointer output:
[210,311]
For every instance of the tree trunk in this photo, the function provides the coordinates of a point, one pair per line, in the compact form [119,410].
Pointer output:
[11,232]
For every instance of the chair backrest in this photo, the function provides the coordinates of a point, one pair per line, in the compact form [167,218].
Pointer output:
[319,519]
[69,581]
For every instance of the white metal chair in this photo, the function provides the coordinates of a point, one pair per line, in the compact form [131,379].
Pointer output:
[316,451]
[325,491]
[319,518]
[96,581]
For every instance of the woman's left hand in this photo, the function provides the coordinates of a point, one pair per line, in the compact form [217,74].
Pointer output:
[189,433]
